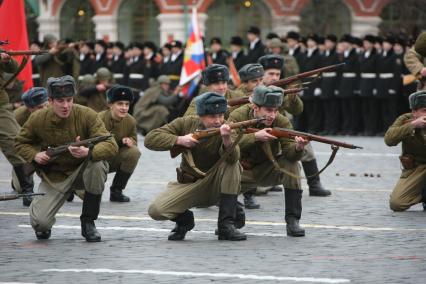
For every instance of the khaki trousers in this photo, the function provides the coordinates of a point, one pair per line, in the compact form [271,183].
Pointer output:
[126,160]
[409,188]
[205,192]
[266,174]
[44,208]
[9,128]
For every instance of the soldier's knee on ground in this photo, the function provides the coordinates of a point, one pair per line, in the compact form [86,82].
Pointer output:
[155,211]
[396,205]
[40,221]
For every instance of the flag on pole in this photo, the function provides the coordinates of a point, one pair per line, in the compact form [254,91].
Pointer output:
[193,61]
[13,28]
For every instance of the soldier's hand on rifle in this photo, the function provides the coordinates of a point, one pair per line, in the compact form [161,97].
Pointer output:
[300,143]
[423,72]
[127,141]
[101,87]
[263,135]
[225,132]
[42,158]
[54,50]
[187,141]
[5,58]
[79,151]
[419,122]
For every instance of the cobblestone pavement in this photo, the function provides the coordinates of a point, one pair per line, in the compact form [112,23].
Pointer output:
[351,236]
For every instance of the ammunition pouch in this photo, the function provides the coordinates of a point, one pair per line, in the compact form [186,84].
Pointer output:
[407,161]
[183,177]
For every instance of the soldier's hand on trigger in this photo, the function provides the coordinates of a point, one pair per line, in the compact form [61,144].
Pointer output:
[41,158]
[419,122]
[225,132]
[300,143]
[187,141]
[79,151]
[127,141]
[423,72]
[263,135]
[5,58]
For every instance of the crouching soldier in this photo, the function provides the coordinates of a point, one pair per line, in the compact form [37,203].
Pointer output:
[268,160]
[122,125]
[59,124]
[410,129]
[209,171]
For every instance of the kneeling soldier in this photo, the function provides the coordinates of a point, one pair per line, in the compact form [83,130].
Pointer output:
[268,161]
[122,125]
[209,171]
[57,125]
[410,129]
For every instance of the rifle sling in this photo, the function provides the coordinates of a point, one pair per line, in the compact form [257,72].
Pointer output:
[20,68]
[187,154]
[268,152]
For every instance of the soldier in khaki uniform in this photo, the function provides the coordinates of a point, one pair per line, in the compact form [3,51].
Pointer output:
[415,60]
[215,78]
[410,129]
[277,47]
[122,125]
[93,94]
[61,123]
[251,76]
[209,171]
[9,128]
[264,157]
[33,99]
[272,64]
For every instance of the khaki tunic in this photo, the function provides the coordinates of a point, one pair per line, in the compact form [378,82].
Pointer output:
[44,128]
[262,171]
[291,67]
[415,63]
[10,67]
[409,188]
[178,197]
[21,114]
[127,158]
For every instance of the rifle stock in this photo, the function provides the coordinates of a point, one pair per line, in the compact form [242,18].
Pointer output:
[206,133]
[23,52]
[289,133]
[283,82]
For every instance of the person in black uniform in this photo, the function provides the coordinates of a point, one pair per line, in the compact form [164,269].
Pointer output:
[174,67]
[87,59]
[329,84]
[166,52]
[134,73]
[151,68]
[256,49]
[118,65]
[218,55]
[388,84]
[237,52]
[348,85]
[36,46]
[367,85]
[294,48]
[100,55]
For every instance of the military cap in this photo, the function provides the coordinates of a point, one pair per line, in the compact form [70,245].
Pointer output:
[331,37]
[346,38]
[103,74]
[176,43]
[417,100]
[389,38]
[267,96]
[216,40]
[293,35]
[420,44]
[61,87]
[210,103]
[271,61]
[136,44]
[215,73]
[370,38]
[275,42]
[168,46]
[151,45]
[90,44]
[163,79]
[251,71]
[236,40]
[119,44]
[253,30]
[379,39]
[34,97]
[357,41]
[401,40]
[313,37]
[101,43]
[271,36]
[119,93]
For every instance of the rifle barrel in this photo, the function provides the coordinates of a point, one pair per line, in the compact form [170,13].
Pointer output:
[24,52]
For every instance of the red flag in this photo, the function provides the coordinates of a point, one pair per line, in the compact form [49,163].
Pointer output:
[14,29]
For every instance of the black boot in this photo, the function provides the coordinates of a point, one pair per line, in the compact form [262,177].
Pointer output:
[26,182]
[250,201]
[226,220]
[184,224]
[293,212]
[71,197]
[315,187]
[118,184]
[43,235]
[90,212]
[240,216]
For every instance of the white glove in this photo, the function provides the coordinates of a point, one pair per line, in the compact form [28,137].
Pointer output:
[374,92]
[317,92]
[336,92]
[392,91]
